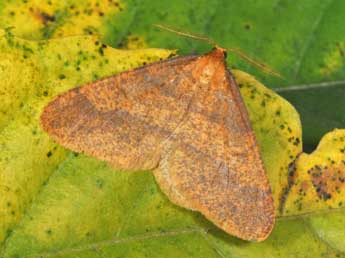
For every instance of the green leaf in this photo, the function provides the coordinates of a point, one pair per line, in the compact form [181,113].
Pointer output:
[54,203]
[305,42]
[53,18]
[318,178]
[63,204]
[320,107]
[29,157]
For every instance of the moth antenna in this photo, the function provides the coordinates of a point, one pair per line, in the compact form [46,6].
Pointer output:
[262,66]
[265,68]
[187,35]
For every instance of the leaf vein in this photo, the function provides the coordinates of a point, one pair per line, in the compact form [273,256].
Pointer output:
[310,38]
[115,241]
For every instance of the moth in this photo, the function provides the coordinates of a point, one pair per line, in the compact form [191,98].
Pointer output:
[184,119]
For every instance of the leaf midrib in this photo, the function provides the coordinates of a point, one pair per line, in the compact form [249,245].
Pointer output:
[116,240]
[310,38]
[310,86]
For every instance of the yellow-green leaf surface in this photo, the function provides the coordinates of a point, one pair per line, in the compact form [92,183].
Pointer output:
[28,157]
[46,19]
[319,178]
[304,40]
[54,203]
[317,190]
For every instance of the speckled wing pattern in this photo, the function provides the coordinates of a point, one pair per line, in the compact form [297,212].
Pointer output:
[185,119]
[123,119]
